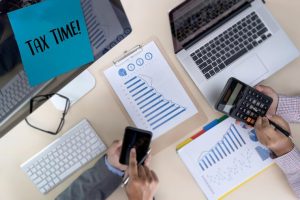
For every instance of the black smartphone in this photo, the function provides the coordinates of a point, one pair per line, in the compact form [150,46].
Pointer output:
[138,139]
[242,102]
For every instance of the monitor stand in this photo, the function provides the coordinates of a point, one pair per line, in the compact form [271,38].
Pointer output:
[74,90]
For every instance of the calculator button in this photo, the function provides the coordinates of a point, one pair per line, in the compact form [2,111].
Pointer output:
[248,112]
[249,119]
[258,103]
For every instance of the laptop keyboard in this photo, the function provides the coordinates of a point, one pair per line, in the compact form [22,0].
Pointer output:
[233,43]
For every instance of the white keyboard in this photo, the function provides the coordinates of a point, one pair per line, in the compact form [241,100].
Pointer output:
[63,156]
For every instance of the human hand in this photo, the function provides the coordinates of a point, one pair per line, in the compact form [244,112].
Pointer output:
[113,155]
[268,136]
[271,93]
[143,182]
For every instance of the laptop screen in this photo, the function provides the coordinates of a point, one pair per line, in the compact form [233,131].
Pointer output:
[193,18]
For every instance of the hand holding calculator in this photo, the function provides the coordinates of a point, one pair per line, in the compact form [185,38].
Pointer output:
[243,102]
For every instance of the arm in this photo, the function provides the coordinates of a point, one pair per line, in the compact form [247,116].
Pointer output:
[96,183]
[289,108]
[290,165]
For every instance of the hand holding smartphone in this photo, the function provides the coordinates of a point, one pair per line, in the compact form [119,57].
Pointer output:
[138,139]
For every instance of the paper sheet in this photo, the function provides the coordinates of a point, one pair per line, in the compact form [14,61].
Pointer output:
[224,157]
[150,91]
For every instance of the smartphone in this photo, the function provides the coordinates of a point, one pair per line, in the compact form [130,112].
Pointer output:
[138,139]
[242,102]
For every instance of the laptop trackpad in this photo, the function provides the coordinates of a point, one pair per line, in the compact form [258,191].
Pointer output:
[250,70]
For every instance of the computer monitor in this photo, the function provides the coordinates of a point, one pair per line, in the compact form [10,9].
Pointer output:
[107,24]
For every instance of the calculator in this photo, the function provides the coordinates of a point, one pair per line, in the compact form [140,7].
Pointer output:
[242,102]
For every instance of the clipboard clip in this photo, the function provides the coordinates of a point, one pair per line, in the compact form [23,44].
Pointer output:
[126,54]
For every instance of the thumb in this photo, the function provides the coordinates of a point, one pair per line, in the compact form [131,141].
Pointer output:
[260,88]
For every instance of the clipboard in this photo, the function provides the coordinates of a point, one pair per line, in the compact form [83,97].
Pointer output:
[177,132]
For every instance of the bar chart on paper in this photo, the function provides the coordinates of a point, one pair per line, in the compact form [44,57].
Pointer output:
[224,157]
[156,110]
[232,141]
[150,91]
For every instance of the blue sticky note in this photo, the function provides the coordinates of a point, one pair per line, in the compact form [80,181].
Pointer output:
[52,38]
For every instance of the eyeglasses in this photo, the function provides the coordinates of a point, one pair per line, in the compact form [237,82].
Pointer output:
[37,100]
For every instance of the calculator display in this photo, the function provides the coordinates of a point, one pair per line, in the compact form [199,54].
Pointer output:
[230,97]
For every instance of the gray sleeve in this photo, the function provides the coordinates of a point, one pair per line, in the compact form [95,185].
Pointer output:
[96,183]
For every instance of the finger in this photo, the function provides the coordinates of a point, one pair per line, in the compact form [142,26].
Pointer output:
[116,144]
[148,160]
[237,122]
[133,169]
[142,172]
[258,123]
[265,122]
[148,173]
[155,177]
[280,121]
[260,88]
[259,131]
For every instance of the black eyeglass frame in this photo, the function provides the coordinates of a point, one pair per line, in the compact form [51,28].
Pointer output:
[46,97]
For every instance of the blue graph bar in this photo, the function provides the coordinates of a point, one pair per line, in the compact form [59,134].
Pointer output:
[168,108]
[137,87]
[130,80]
[239,134]
[152,100]
[228,142]
[208,161]
[138,92]
[133,84]
[152,106]
[144,94]
[212,158]
[147,98]
[231,140]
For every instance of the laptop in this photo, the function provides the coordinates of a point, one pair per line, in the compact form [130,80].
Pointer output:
[218,39]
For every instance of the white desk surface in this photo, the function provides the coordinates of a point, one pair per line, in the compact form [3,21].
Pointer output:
[102,109]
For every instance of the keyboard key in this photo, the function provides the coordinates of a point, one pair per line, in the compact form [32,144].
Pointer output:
[235,57]
[222,66]
[207,76]
[195,58]
[261,32]
[207,69]
[250,46]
